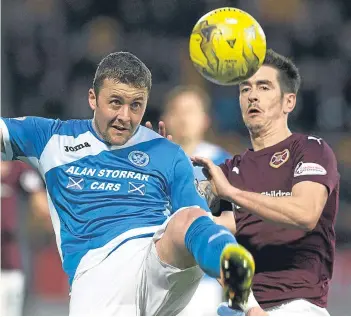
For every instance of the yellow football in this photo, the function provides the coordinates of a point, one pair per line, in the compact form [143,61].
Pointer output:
[227,46]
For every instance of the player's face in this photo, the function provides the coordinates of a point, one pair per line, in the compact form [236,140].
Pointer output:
[263,105]
[186,119]
[118,110]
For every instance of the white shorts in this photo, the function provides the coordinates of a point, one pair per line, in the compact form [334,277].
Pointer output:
[12,292]
[133,281]
[206,299]
[296,308]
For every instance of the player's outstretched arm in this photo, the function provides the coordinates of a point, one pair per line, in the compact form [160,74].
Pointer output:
[26,137]
[301,210]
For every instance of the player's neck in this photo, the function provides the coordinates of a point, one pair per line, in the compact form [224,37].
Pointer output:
[269,138]
[96,129]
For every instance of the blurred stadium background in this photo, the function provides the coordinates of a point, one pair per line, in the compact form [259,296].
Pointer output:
[50,49]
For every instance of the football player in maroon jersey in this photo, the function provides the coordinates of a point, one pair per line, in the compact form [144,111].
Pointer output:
[285,196]
[16,176]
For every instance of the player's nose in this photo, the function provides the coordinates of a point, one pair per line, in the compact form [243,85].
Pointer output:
[124,113]
[253,96]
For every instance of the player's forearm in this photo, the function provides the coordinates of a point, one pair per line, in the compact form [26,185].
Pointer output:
[291,211]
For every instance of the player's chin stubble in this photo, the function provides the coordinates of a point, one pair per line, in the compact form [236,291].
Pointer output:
[104,134]
[108,137]
[254,129]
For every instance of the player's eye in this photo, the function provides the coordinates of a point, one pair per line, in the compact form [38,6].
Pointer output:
[265,88]
[135,105]
[116,102]
[244,89]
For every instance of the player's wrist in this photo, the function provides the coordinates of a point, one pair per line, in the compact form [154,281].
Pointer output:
[231,194]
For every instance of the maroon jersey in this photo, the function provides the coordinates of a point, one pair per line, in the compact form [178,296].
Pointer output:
[290,263]
[15,176]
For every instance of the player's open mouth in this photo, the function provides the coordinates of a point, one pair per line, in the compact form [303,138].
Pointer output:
[253,111]
[120,128]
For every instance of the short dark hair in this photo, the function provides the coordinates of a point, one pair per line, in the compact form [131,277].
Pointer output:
[289,76]
[125,68]
[181,90]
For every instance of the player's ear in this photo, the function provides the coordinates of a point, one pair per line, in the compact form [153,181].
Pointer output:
[289,102]
[92,99]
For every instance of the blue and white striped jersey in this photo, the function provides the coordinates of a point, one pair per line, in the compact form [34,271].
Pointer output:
[101,196]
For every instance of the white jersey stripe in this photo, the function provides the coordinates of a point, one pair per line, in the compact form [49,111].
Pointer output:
[52,157]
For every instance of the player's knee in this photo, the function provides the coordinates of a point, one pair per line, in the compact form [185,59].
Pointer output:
[192,214]
[184,219]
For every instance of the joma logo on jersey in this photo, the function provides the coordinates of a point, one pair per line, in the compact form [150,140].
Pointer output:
[77,147]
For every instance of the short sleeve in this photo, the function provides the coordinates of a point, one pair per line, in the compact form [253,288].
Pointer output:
[226,166]
[25,137]
[316,162]
[183,186]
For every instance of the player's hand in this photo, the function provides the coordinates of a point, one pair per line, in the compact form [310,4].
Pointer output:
[161,129]
[257,311]
[220,185]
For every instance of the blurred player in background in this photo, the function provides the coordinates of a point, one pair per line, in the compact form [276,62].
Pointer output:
[131,225]
[16,176]
[285,192]
[186,115]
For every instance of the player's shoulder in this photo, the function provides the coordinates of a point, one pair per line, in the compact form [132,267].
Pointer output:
[163,153]
[50,126]
[153,142]
[70,135]
[145,134]
[310,142]
[300,138]
[73,127]
[234,160]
